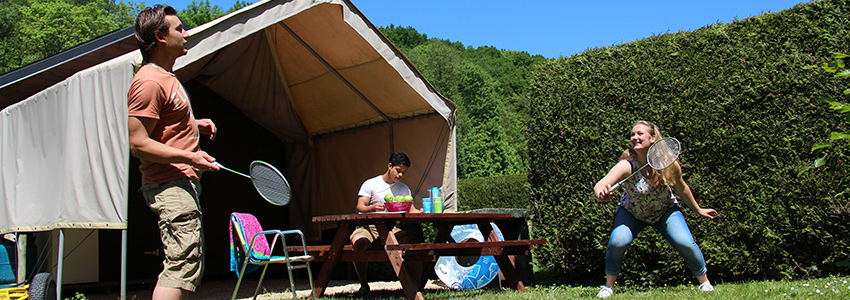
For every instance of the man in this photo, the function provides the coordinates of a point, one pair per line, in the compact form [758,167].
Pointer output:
[371,199]
[165,135]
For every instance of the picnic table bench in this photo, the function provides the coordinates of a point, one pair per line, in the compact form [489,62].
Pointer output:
[424,251]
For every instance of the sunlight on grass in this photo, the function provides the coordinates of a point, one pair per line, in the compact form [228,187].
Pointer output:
[822,288]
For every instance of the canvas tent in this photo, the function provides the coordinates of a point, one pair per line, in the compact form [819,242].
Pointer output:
[310,85]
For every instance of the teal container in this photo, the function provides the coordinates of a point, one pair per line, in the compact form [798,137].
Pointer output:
[8,261]
[435,192]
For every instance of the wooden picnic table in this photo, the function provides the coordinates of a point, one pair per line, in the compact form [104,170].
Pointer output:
[400,255]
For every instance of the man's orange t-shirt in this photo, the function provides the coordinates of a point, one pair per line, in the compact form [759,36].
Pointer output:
[157,94]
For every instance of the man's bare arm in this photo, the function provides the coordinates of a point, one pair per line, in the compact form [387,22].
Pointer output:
[143,147]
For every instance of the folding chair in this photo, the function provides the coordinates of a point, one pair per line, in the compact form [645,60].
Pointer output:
[257,251]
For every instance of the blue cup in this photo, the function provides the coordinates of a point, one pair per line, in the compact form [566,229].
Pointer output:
[427,206]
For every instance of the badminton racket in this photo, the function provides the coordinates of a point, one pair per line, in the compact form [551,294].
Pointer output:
[660,155]
[268,181]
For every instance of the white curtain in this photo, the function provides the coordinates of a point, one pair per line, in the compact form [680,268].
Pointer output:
[64,153]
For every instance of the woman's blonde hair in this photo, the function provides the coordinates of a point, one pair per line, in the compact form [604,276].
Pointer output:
[659,177]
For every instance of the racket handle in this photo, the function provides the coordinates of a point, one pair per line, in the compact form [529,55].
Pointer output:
[614,187]
[225,168]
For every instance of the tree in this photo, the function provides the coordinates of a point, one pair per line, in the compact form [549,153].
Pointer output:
[31,30]
[404,38]
[440,64]
[489,87]
[238,5]
[8,21]
[196,14]
[483,148]
[35,29]
[199,13]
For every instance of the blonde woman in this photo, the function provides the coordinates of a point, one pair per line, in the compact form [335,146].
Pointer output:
[650,199]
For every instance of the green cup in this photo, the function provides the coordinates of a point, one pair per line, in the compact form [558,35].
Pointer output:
[438,204]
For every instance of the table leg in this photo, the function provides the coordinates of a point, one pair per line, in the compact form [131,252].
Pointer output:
[508,270]
[402,270]
[340,239]
[444,233]
[487,231]
[507,267]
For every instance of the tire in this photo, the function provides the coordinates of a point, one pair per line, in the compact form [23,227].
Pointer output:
[43,287]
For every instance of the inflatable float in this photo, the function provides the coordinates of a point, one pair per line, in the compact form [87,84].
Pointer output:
[463,272]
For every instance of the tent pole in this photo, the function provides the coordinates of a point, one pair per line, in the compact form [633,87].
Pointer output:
[21,239]
[123,295]
[392,142]
[61,264]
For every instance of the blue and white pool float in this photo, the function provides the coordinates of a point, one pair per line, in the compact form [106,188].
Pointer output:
[476,276]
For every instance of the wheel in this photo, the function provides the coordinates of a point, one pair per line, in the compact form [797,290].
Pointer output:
[43,287]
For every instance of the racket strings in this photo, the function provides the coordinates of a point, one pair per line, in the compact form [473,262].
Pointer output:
[270,184]
[663,153]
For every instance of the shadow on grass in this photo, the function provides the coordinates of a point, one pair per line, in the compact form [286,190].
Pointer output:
[429,294]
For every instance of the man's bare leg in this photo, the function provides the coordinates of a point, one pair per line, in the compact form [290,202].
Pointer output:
[168,293]
[360,267]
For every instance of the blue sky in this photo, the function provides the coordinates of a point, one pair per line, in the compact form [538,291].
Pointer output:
[552,28]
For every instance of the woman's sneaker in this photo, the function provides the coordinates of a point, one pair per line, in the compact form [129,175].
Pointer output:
[706,287]
[605,292]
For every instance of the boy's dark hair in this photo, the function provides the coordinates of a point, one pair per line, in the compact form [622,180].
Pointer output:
[399,158]
[149,21]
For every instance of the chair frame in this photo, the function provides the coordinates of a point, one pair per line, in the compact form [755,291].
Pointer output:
[292,262]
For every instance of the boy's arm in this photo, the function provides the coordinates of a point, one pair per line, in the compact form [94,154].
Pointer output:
[363,205]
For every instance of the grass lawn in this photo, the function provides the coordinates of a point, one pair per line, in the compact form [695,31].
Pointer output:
[823,288]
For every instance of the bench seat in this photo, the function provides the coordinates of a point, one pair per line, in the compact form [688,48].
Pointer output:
[425,251]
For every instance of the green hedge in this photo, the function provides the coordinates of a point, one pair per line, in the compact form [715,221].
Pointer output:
[503,191]
[737,97]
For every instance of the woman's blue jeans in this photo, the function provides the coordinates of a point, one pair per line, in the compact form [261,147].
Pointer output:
[671,226]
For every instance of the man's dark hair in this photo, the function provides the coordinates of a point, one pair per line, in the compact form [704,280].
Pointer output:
[149,21]
[399,158]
